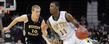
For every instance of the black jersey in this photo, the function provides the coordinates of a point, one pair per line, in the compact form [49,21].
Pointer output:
[33,30]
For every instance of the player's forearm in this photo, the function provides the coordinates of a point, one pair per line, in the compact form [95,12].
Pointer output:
[46,39]
[45,33]
[72,20]
[44,30]
[76,24]
[12,23]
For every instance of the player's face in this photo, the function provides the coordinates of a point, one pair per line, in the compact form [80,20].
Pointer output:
[36,13]
[52,8]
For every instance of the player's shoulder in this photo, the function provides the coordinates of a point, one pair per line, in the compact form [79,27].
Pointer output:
[50,18]
[24,15]
[48,22]
[41,19]
[67,14]
[63,11]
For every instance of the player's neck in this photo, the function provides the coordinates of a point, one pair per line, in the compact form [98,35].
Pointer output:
[56,15]
[32,18]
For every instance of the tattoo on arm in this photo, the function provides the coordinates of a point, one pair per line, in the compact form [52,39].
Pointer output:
[72,20]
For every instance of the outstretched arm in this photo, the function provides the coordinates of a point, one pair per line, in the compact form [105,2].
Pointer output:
[22,18]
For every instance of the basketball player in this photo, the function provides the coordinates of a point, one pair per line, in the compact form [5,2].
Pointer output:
[35,26]
[64,25]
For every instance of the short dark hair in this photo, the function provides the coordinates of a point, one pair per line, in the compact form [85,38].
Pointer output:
[56,3]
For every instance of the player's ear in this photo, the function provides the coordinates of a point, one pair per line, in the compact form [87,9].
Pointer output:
[32,11]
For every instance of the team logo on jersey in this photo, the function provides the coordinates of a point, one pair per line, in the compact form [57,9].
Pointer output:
[34,31]
[34,26]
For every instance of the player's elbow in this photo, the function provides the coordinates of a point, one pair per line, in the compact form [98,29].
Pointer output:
[16,20]
[19,19]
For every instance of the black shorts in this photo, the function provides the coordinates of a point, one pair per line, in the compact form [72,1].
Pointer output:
[38,41]
[41,42]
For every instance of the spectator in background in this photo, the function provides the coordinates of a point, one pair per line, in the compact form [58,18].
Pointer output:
[83,21]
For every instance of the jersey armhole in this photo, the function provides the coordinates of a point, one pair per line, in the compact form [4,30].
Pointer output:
[66,17]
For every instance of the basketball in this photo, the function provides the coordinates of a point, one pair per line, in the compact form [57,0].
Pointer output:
[81,34]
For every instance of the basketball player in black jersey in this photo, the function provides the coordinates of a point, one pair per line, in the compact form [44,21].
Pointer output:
[35,26]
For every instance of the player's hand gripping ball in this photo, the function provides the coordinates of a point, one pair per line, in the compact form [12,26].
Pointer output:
[82,33]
